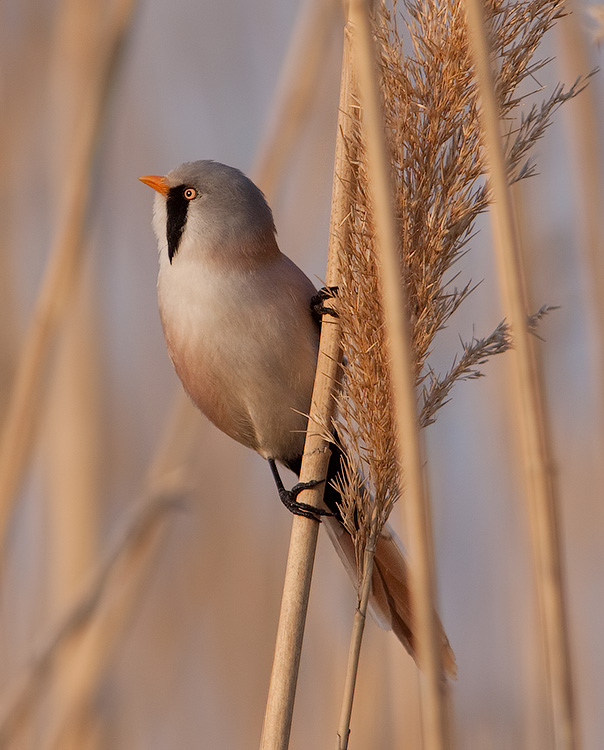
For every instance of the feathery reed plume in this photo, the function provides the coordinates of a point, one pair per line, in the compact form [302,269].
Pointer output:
[434,138]
[408,457]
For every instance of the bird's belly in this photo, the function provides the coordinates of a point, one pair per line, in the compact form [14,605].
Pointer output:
[205,381]
[240,376]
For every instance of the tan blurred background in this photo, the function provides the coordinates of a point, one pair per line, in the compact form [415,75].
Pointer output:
[176,650]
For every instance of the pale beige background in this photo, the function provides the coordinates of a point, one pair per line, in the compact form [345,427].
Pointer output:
[191,669]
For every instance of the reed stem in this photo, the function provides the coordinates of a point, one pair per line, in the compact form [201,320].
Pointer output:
[61,274]
[402,373]
[531,414]
[296,587]
[356,640]
[584,139]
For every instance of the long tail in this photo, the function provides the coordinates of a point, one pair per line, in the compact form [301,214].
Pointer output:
[389,601]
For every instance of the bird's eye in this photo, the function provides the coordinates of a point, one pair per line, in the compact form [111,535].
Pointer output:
[190,193]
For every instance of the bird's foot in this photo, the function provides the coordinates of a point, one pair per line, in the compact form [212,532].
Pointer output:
[289,499]
[317,302]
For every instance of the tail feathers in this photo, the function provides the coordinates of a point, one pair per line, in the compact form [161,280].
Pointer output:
[389,602]
[391,596]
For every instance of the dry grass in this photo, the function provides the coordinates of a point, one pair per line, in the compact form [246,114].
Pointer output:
[438,170]
[432,121]
[531,415]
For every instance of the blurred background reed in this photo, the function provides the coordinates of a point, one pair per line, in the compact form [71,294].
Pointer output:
[167,534]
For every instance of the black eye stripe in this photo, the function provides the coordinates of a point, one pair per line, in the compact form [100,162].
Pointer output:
[176,207]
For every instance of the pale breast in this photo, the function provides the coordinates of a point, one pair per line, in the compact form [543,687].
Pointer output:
[245,349]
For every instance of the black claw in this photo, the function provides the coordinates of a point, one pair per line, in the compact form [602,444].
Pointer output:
[317,306]
[289,499]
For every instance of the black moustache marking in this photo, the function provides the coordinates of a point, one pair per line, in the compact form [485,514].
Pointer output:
[176,206]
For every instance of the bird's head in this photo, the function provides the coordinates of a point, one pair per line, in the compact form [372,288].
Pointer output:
[213,212]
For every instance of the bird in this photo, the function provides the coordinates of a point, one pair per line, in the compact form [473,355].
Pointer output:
[242,323]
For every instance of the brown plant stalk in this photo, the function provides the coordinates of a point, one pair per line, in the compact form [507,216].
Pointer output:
[585,126]
[314,25]
[530,408]
[61,272]
[434,142]
[400,355]
[431,122]
[356,641]
[296,587]
[93,619]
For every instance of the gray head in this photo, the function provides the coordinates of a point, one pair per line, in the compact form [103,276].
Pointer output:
[214,206]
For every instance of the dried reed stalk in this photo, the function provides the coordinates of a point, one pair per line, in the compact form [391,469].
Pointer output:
[71,425]
[434,146]
[586,145]
[61,271]
[72,724]
[296,587]
[402,378]
[438,190]
[530,412]
[91,627]
[314,25]
[354,651]
[18,90]
[96,615]
[72,451]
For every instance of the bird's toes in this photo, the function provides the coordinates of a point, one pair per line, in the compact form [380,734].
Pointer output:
[317,302]
[289,499]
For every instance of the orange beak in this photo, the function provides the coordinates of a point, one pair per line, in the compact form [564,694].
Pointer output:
[157,183]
